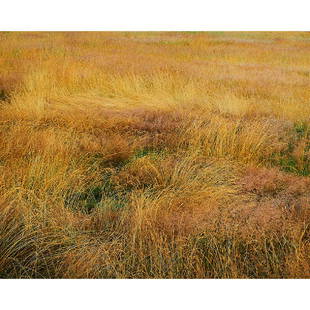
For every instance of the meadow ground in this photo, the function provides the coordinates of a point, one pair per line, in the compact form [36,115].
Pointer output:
[155,155]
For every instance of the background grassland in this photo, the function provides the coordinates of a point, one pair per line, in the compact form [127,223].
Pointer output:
[154,155]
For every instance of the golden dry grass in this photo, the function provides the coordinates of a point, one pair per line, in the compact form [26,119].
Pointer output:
[154,155]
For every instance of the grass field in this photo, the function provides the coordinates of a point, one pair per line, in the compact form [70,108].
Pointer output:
[155,155]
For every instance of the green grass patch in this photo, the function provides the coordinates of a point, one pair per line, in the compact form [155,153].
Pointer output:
[153,153]
[288,159]
[106,192]
[96,196]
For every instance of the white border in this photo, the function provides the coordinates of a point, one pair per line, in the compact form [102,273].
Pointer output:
[139,15]
[154,294]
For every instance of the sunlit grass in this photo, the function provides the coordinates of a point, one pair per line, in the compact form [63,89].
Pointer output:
[154,155]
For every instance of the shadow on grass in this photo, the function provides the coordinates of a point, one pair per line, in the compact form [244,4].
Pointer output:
[3,95]
[107,192]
